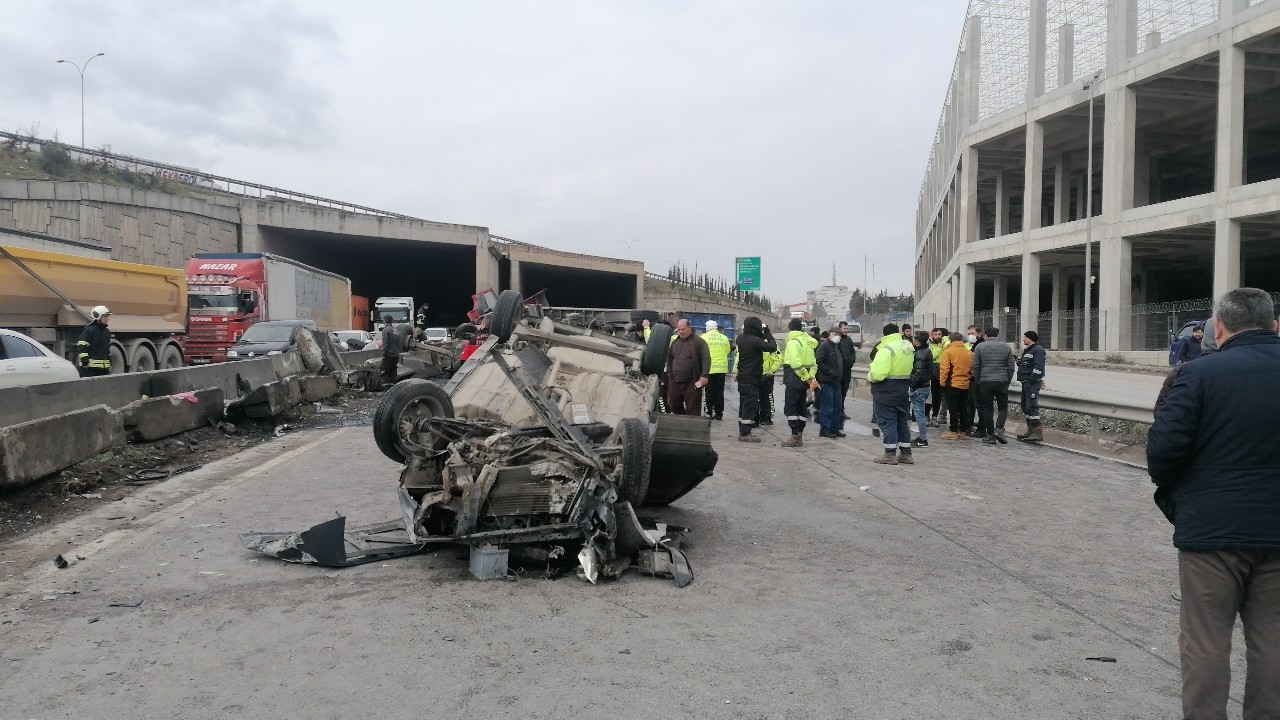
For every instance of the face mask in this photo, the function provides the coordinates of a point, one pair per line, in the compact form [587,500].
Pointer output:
[973,338]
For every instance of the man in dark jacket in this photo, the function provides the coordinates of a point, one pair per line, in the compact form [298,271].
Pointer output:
[1213,454]
[753,343]
[688,369]
[93,349]
[390,349]
[993,368]
[849,356]
[1191,347]
[1031,375]
[923,372]
[830,371]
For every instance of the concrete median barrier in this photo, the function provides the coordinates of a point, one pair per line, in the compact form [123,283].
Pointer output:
[32,450]
[155,418]
[318,387]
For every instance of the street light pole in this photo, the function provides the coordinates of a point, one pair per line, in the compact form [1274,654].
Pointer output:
[629,243]
[80,69]
[1088,222]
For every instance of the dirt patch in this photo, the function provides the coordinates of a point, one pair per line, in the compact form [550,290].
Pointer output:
[114,474]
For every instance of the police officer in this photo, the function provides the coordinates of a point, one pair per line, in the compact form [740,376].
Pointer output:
[720,347]
[94,346]
[1031,375]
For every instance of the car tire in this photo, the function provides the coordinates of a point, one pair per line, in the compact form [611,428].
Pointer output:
[654,359]
[171,357]
[403,405]
[465,331]
[506,315]
[637,457]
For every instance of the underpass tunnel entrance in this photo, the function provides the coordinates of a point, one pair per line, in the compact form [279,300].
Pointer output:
[440,274]
[575,287]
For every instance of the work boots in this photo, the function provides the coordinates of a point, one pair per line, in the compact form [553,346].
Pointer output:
[794,441]
[1036,434]
[1026,432]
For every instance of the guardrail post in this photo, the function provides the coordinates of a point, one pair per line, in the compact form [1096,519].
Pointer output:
[1095,434]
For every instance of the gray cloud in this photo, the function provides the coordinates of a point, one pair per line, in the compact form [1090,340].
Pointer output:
[796,131]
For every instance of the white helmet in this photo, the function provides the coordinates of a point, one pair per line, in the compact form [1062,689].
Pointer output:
[712,325]
[100,310]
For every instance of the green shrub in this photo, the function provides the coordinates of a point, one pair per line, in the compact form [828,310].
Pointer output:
[54,159]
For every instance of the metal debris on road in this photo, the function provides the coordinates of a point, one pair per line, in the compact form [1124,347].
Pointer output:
[1102,658]
[126,604]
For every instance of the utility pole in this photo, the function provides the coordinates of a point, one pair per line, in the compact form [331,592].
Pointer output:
[1088,222]
[80,69]
[864,288]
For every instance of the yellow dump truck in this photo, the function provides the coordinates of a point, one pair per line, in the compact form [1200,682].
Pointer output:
[49,295]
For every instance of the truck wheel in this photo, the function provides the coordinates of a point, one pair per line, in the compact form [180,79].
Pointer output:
[465,331]
[637,457]
[118,365]
[395,422]
[171,357]
[142,358]
[655,350]
[506,315]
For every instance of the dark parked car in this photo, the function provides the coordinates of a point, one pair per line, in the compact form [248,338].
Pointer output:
[272,337]
[1180,339]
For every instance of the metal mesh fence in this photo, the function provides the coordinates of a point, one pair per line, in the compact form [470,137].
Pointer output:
[1153,326]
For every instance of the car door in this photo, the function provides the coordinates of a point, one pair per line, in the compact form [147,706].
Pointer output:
[23,363]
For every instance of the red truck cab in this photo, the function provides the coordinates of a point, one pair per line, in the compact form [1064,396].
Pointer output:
[225,298]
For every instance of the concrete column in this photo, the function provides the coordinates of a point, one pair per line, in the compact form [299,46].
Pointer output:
[1227,8]
[964,297]
[1226,256]
[972,72]
[639,291]
[1029,304]
[1115,293]
[1058,326]
[1035,51]
[967,222]
[487,270]
[250,235]
[516,281]
[953,286]
[1002,203]
[1062,189]
[1033,178]
[1229,170]
[1122,35]
[1118,153]
[1066,54]
[999,298]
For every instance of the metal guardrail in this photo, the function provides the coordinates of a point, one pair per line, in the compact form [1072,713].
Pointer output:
[198,179]
[1092,407]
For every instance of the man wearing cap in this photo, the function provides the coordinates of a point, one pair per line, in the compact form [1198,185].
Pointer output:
[94,346]
[719,347]
[1031,375]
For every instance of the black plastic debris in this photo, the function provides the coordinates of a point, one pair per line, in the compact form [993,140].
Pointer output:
[1102,658]
[61,562]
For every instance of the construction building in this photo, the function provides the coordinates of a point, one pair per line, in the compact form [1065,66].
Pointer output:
[1106,235]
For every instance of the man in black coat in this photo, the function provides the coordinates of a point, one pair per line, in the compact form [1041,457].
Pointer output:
[1213,454]
[849,356]
[753,343]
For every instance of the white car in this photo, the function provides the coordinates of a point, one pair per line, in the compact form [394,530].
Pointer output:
[371,341]
[24,361]
[436,335]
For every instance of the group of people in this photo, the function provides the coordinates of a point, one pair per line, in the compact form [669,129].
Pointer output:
[817,371]
[940,377]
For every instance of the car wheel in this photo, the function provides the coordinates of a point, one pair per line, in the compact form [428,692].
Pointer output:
[637,457]
[406,404]
[506,315]
[654,358]
[116,353]
[465,331]
[171,357]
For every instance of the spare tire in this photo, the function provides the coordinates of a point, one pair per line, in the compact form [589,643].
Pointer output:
[395,423]
[656,347]
[506,315]
[637,457]
[639,316]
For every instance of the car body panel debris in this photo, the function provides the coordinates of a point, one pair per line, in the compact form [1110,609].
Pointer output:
[543,443]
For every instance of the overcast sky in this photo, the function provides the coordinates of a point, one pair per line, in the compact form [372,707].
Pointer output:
[794,130]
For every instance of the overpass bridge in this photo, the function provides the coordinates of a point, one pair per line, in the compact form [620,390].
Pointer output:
[383,254]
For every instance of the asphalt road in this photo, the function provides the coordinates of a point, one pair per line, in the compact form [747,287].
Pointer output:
[1139,388]
[973,585]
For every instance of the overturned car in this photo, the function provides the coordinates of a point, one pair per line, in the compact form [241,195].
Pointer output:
[546,442]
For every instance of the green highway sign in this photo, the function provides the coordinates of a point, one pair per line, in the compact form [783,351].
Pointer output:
[748,273]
